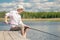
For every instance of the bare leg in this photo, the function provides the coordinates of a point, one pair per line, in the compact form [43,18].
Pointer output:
[24,30]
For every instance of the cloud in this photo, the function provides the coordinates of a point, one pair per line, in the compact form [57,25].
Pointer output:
[32,5]
[36,1]
[19,0]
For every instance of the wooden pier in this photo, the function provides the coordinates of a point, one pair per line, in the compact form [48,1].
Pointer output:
[11,35]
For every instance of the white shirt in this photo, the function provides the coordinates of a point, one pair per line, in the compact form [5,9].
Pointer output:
[15,18]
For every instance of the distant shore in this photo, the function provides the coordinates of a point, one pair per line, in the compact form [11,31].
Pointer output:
[43,19]
[38,19]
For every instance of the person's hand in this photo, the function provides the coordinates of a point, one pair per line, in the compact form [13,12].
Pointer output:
[26,26]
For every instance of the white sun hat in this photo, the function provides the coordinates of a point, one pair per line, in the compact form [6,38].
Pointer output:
[20,7]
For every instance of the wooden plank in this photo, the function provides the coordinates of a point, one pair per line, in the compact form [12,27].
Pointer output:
[1,35]
[15,37]
[11,35]
[7,36]
[18,34]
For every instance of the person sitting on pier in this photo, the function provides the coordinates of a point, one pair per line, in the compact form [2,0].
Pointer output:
[15,20]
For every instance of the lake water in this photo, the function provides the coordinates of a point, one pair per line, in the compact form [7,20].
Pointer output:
[47,26]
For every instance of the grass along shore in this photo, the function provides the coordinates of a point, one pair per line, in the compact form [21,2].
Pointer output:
[37,19]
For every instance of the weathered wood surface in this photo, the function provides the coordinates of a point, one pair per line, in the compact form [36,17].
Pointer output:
[11,35]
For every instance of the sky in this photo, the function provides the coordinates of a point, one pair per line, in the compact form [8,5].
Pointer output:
[31,5]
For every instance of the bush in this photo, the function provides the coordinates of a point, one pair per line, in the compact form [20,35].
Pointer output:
[2,14]
[36,14]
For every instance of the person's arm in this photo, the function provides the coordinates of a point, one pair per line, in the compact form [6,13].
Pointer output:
[24,24]
[6,18]
[21,22]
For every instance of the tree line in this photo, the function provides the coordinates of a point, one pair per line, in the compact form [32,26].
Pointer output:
[35,14]
[40,15]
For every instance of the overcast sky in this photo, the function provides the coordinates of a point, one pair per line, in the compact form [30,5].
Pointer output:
[31,5]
